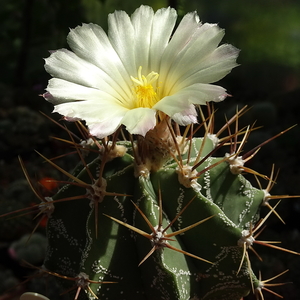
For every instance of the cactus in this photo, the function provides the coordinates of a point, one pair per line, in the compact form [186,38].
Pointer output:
[159,217]
[157,212]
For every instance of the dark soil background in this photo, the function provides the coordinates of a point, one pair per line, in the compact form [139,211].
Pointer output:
[268,32]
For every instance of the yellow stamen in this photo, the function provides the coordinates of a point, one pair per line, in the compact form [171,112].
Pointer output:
[145,93]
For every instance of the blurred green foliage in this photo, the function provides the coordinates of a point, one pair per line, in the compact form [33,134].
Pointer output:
[268,31]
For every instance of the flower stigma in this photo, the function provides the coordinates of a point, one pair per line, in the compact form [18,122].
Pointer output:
[145,93]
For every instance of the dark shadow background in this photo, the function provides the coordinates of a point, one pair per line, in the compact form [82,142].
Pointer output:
[268,34]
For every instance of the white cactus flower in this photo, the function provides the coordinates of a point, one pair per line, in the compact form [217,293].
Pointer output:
[139,72]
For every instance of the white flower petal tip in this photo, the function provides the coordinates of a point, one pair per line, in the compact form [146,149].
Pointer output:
[71,119]
[186,117]
[47,96]
[140,120]
[223,97]
[101,130]
[139,71]
[52,51]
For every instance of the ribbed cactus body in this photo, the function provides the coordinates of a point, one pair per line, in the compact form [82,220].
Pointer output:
[87,235]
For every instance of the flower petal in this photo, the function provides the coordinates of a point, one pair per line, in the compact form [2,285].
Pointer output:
[66,65]
[121,37]
[182,54]
[103,129]
[186,117]
[91,111]
[188,61]
[139,120]
[87,41]
[180,39]
[215,66]
[163,24]
[195,94]
[65,91]
[152,34]
[142,20]
[203,40]
[141,39]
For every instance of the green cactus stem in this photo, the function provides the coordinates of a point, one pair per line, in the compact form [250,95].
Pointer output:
[160,217]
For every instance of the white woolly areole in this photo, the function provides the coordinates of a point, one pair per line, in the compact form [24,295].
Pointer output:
[114,151]
[97,192]
[47,207]
[236,164]
[213,138]
[159,239]
[141,170]
[185,173]
[82,280]
[246,238]
[86,143]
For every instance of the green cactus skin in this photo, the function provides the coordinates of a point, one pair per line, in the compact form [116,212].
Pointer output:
[90,235]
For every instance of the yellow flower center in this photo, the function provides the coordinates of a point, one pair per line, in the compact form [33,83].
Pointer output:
[145,93]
